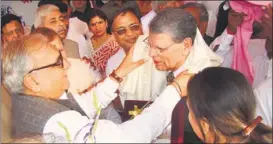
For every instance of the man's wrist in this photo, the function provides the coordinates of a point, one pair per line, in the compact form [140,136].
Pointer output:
[114,76]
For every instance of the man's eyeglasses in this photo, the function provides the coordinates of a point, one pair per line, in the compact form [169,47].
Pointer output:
[123,30]
[158,50]
[58,63]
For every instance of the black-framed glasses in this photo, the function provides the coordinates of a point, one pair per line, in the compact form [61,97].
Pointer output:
[123,30]
[158,50]
[59,62]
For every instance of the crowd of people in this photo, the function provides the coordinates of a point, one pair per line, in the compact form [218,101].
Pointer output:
[72,75]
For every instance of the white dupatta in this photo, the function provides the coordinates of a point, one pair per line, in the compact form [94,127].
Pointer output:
[146,82]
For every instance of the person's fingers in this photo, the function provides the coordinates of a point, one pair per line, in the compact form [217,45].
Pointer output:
[131,51]
[138,63]
[135,65]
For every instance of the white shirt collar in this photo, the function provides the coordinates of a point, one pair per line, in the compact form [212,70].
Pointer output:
[178,71]
[63,96]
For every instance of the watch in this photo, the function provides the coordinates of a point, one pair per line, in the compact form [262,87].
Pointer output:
[116,77]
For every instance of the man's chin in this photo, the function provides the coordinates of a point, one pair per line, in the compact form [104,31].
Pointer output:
[66,86]
[63,35]
[160,68]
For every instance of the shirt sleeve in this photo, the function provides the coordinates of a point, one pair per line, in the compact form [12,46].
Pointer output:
[222,47]
[104,92]
[263,95]
[144,128]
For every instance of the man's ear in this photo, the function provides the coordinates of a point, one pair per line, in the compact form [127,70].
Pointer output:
[187,45]
[31,83]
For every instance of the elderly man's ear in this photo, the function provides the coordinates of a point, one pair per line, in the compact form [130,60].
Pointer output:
[187,45]
[31,84]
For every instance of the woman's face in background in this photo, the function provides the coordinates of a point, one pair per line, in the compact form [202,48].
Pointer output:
[97,26]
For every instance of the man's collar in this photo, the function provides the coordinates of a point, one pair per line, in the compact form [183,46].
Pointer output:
[178,71]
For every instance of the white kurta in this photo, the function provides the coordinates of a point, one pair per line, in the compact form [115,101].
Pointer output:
[264,98]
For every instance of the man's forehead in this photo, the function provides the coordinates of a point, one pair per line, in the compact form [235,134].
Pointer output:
[125,20]
[12,24]
[156,39]
[53,14]
[45,53]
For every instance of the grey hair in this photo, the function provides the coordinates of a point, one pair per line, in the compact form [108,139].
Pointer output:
[16,61]
[204,15]
[43,11]
[157,3]
[175,22]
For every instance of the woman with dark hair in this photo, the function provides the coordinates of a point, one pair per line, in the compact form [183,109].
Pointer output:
[222,108]
[102,44]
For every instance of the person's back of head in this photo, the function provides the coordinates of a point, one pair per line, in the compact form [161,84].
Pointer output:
[222,108]
[16,61]
[200,13]
[48,33]
[159,5]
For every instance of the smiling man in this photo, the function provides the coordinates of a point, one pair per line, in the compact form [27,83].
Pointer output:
[145,83]
[49,16]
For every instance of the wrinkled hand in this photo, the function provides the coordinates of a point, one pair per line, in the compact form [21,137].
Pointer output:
[235,19]
[266,21]
[182,80]
[89,61]
[128,65]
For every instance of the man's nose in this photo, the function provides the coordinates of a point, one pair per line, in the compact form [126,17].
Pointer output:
[62,22]
[152,52]
[15,36]
[129,32]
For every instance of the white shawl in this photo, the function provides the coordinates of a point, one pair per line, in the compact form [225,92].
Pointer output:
[201,56]
[146,82]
